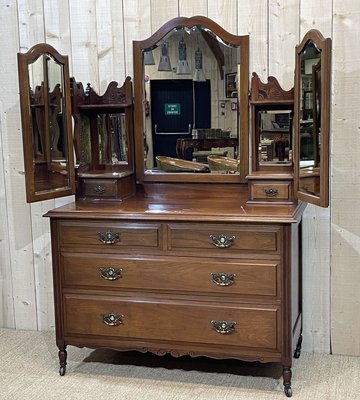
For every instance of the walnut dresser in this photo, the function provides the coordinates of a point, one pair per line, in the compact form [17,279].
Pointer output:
[185,272]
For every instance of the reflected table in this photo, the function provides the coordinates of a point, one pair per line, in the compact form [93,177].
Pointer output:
[182,145]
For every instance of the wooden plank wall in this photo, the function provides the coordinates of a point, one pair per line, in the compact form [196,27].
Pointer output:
[97,35]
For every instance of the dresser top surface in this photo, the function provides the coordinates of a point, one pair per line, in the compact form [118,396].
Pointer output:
[220,203]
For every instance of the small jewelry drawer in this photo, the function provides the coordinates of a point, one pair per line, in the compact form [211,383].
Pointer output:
[172,320]
[110,235]
[99,188]
[224,240]
[182,274]
[271,191]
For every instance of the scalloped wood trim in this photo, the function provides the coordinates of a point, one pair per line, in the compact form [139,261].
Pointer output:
[270,91]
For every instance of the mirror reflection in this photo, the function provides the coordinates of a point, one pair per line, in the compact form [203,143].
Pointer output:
[310,119]
[275,128]
[191,103]
[49,125]
[111,138]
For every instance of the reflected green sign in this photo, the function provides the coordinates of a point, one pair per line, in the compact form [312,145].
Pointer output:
[172,108]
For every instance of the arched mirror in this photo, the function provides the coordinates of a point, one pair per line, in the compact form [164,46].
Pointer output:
[46,123]
[312,118]
[191,103]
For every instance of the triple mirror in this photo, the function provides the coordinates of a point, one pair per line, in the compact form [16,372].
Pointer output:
[312,118]
[191,103]
[46,121]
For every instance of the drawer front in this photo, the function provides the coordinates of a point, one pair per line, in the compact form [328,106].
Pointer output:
[171,274]
[110,235]
[99,188]
[173,321]
[223,240]
[270,191]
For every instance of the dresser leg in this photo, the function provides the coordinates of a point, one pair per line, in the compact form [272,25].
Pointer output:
[287,381]
[297,351]
[62,359]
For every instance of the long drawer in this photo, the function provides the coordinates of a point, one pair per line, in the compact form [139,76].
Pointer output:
[110,235]
[224,239]
[192,322]
[187,274]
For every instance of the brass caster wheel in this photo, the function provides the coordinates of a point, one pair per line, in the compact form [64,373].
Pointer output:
[288,391]
[62,370]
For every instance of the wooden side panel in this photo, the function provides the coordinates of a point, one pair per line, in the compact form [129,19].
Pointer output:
[137,26]
[84,42]
[17,268]
[345,188]
[224,12]
[316,228]
[162,11]
[253,20]
[283,37]
[190,8]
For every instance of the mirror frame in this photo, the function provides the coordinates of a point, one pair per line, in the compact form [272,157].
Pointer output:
[324,45]
[24,60]
[243,111]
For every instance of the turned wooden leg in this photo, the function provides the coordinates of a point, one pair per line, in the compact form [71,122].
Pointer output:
[62,359]
[297,351]
[287,381]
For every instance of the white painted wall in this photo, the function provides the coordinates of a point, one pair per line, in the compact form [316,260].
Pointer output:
[97,35]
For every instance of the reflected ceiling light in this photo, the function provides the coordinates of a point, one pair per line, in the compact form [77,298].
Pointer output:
[164,64]
[199,75]
[149,57]
[183,66]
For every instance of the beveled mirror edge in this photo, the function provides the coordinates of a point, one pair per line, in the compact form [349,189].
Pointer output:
[243,129]
[24,59]
[324,44]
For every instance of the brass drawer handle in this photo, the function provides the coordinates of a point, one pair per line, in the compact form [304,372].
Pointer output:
[99,189]
[109,237]
[110,273]
[112,319]
[222,240]
[271,192]
[224,327]
[223,279]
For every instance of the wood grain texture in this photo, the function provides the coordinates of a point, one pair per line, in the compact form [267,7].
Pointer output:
[225,13]
[271,52]
[18,240]
[345,188]
[283,37]
[253,20]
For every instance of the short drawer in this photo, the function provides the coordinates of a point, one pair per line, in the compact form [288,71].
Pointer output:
[184,274]
[110,235]
[99,188]
[166,320]
[271,191]
[224,240]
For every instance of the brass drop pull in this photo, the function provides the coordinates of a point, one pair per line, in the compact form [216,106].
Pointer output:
[110,273]
[222,240]
[112,319]
[224,327]
[271,192]
[109,237]
[223,279]
[99,189]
